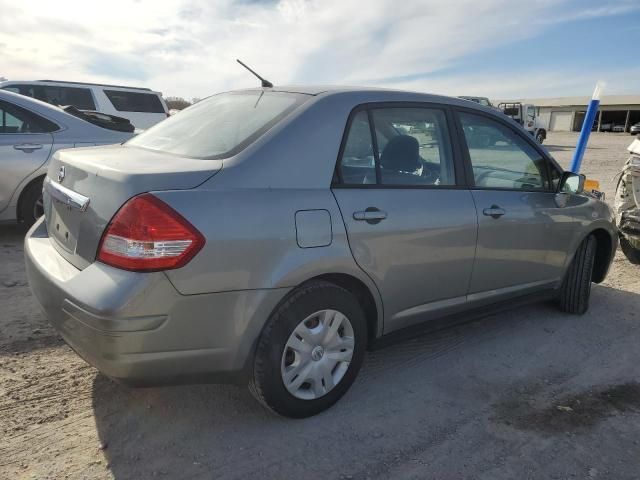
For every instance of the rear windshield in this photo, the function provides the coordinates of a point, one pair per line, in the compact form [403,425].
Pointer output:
[219,126]
[134,101]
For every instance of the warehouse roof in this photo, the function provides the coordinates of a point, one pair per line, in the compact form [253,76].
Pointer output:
[571,101]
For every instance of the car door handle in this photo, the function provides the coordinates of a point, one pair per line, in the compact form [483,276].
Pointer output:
[28,147]
[494,212]
[371,215]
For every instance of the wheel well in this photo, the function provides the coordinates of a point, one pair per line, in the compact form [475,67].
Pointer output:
[25,189]
[604,248]
[362,294]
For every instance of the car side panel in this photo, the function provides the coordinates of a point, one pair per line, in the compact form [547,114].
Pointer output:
[17,164]
[528,244]
[421,255]
[251,240]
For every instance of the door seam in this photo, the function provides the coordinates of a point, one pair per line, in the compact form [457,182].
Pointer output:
[475,251]
[359,266]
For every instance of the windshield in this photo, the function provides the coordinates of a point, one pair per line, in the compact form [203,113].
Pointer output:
[219,126]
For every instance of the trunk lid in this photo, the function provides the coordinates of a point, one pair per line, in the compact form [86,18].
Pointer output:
[85,187]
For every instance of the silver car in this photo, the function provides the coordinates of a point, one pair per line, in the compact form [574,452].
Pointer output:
[270,236]
[31,131]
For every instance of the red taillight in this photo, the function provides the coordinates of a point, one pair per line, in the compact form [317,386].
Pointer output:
[147,235]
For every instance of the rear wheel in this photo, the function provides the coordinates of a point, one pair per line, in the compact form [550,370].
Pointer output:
[576,287]
[539,137]
[310,351]
[631,251]
[31,206]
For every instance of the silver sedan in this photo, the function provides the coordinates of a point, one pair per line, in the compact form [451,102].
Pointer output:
[270,236]
[31,131]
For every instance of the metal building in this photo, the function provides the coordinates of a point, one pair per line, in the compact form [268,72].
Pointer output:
[566,114]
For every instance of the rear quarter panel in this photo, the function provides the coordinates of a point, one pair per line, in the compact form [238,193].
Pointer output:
[251,240]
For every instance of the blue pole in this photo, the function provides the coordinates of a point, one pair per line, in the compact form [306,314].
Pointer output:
[586,130]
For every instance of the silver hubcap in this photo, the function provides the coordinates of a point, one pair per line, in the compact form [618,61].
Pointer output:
[317,354]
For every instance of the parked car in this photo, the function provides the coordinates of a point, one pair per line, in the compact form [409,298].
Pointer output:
[141,106]
[253,238]
[484,101]
[606,127]
[31,131]
[635,129]
[618,128]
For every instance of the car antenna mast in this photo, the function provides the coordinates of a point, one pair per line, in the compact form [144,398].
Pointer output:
[265,83]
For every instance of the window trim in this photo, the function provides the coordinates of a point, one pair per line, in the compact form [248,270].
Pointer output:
[515,128]
[457,159]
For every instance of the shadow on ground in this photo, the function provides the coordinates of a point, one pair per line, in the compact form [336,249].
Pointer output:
[12,232]
[439,395]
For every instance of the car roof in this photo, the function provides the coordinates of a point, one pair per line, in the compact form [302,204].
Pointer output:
[76,84]
[379,94]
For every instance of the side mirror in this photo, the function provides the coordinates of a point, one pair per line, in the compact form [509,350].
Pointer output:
[571,183]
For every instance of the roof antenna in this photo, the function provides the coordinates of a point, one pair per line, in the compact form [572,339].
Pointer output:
[265,83]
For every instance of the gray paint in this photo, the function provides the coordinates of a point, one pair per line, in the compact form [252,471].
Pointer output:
[434,253]
[313,228]
[421,253]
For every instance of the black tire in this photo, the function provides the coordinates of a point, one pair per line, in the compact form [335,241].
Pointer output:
[632,253]
[267,384]
[31,203]
[576,287]
[540,138]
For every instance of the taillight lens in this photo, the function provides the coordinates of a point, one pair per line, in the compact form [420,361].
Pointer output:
[147,235]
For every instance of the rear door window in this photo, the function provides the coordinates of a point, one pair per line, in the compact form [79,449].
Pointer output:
[14,119]
[135,101]
[412,147]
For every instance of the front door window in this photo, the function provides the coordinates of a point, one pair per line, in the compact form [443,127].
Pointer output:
[500,158]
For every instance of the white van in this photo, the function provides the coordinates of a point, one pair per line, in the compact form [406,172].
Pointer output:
[141,106]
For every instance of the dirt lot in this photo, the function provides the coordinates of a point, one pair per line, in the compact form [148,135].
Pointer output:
[530,393]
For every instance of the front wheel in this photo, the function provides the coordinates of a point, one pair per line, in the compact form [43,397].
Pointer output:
[539,137]
[310,351]
[630,250]
[576,287]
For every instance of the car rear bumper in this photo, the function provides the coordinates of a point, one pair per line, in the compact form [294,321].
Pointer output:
[136,328]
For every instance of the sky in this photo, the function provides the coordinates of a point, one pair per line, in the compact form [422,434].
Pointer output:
[187,48]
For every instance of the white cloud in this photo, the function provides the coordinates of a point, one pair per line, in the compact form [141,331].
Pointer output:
[188,47]
[537,84]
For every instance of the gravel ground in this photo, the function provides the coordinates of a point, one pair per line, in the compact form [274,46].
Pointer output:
[528,393]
